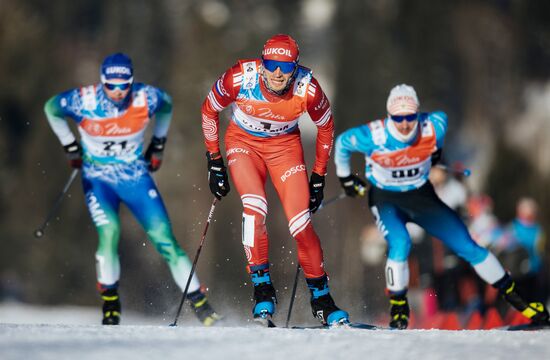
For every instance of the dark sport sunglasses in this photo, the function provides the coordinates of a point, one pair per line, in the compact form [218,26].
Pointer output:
[285,66]
[123,86]
[401,118]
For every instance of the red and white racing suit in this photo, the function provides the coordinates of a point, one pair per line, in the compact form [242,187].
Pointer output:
[263,137]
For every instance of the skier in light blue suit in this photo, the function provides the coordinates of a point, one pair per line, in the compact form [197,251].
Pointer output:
[399,152]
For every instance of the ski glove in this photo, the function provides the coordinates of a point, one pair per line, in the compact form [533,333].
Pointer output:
[436,156]
[316,187]
[217,177]
[353,185]
[73,151]
[153,155]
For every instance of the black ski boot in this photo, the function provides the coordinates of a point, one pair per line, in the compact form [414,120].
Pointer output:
[200,305]
[322,304]
[111,307]
[264,295]
[399,311]
[535,311]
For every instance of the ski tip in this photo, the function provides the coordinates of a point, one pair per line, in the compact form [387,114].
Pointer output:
[265,321]
[526,327]
[348,325]
[364,326]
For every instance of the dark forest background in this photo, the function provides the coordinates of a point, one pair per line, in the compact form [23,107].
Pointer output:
[485,62]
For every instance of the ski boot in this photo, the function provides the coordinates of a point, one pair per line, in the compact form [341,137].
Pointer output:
[200,305]
[111,307]
[322,304]
[264,295]
[535,311]
[399,311]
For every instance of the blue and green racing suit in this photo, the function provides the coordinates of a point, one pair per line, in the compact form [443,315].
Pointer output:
[114,170]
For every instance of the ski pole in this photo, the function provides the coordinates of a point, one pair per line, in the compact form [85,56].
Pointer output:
[361,190]
[210,214]
[454,171]
[293,295]
[38,233]
[331,200]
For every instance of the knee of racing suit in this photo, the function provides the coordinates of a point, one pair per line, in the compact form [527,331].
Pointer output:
[109,235]
[163,239]
[310,253]
[254,233]
[299,223]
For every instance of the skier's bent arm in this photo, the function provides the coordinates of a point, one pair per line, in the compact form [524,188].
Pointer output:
[56,118]
[357,139]
[320,112]
[220,96]
[163,115]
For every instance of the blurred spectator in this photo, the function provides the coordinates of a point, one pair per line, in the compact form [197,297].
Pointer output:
[483,225]
[521,249]
[373,246]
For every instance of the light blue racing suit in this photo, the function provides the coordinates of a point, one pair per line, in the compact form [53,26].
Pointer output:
[398,172]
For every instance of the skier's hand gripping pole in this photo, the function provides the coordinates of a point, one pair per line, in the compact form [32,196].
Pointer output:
[353,185]
[39,232]
[184,295]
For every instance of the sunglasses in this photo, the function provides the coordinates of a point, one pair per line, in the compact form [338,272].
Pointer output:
[401,118]
[122,87]
[285,66]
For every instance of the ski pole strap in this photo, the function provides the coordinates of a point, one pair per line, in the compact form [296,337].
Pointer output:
[319,287]
[256,268]
[320,292]
[257,279]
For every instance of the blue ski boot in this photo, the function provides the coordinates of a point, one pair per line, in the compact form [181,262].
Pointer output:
[205,313]
[322,304]
[264,295]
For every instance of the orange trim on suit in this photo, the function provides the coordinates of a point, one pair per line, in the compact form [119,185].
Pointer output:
[132,121]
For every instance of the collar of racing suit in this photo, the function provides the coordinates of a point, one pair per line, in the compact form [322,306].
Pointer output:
[409,138]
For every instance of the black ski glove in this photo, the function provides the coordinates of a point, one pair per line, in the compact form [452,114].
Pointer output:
[353,185]
[73,151]
[217,177]
[154,152]
[436,156]
[316,187]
